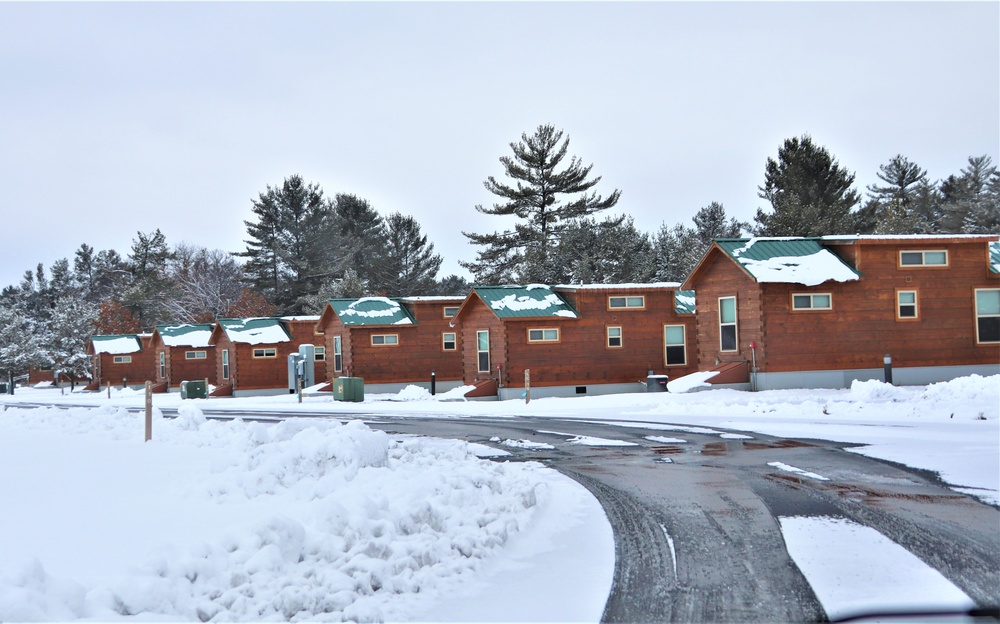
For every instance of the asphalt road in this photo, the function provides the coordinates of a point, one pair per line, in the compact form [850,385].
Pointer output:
[696,530]
[696,523]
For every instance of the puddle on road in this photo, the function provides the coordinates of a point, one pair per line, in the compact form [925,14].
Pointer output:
[779,444]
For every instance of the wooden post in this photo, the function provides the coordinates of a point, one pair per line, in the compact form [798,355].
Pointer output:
[299,384]
[207,391]
[109,389]
[527,386]
[149,411]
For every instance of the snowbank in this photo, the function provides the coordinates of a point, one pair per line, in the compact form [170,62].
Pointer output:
[301,520]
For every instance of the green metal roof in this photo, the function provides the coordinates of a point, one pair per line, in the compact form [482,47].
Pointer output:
[372,311]
[684,302]
[186,335]
[260,330]
[995,256]
[787,260]
[531,301]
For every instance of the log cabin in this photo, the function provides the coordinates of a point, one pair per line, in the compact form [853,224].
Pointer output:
[183,353]
[393,342]
[822,312]
[46,375]
[251,354]
[575,340]
[123,360]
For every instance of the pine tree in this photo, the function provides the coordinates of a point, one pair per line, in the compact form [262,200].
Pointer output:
[149,289]
[711,222]
[21,343]
[891,208]
[70,327]
[677,251]
[547,196]
[409,265]
[608,252]
[361,238]
[809,192]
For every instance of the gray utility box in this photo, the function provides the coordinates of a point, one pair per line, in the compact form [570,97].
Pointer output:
[349,389]
[302,365]
[194,389]
[656,383]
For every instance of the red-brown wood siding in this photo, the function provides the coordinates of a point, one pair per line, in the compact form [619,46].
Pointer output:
[721,277]
[476,317]
[179,368]
[137,372]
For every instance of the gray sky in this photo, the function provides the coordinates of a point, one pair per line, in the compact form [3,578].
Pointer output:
[121,117]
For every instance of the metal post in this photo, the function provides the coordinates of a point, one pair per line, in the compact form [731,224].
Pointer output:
[433,383]
[149,411]
[299,384]
[109,388]
[527,386]
[887,361]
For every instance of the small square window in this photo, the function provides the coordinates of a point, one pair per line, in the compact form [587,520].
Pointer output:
[450,311]
[449,341]
[906,304]
[319,354]
[614,337]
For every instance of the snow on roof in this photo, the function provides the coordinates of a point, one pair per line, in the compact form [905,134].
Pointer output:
[684,301]
[528,301]
[116,345]
[258,330]
[300,318]
[185,335]
[995,256]
[646,286]
[371,311]
[432,298]
[788,260]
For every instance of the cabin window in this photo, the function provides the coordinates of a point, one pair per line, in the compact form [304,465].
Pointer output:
[809,301]
[675,350]
[614,337]
[195,355]
[265,353]
[728,335]
[449,341]
[548,334]
[122,359]
[338,354]
[450,311]
[619,303]
[163,365]
[319,354]
[225,363]
[923,258]
[483,350]
[906,304]
[988,315]
[380,340]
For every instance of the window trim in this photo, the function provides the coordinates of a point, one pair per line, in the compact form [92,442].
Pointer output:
[923,259]
[121,359]
[264,353]
[225,364]
[444,311]
[480,351]
[338,354]
[666,360]
[453,341]
[977,315]
[915,304]
[385,340]
[544,330]
[608,337]
[812,307]
[163,364]
[195,355]
[625,305]
[734,324]
[319,354]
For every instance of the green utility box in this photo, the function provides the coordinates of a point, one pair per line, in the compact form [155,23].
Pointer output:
[349,389]
[3,388]
[194,390]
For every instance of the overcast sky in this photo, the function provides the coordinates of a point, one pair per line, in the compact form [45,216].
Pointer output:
[125,117]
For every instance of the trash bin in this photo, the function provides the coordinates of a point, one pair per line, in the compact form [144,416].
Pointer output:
[194,390]
[656,383]
[349,389]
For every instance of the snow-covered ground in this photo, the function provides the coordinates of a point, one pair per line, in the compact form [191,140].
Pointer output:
[311,519]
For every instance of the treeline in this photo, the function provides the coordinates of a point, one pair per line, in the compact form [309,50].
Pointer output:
[304,247]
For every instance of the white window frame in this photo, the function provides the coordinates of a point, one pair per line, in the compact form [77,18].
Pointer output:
[734,324]
[122,359]
[195,355]
[445,341]
[454,311]
[812,302]
[627,302]
[480,351]
[385,340]
[265,352]
[979,315]
[620,337]
[923,258]
[338,354]
[543,334]
[900,304]
[225,363]
[682,344]
[319,354]
[163,364]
